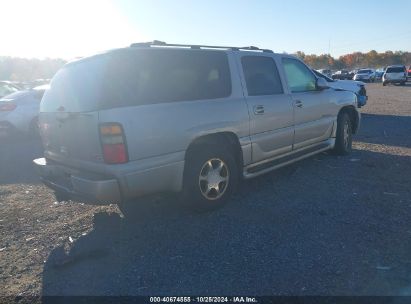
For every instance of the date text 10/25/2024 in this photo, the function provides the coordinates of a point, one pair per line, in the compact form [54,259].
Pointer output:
[203,300]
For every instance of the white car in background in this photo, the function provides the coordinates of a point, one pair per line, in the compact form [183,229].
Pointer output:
[395,74]
[6,88]
[367,75]
[19,111]
[356,87]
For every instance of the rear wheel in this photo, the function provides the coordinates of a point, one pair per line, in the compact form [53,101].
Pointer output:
[210,177]
[384,84]
[343,140]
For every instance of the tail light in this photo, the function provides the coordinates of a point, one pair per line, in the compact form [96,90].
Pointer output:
[113,143]
[7,107]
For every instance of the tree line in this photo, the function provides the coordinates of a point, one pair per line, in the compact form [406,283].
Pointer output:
[23,69]
[372,59]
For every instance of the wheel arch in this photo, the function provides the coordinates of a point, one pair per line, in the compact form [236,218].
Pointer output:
[354,117]
[226,138]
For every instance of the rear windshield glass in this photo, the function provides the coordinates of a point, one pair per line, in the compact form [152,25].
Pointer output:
[76,88]
[395,70]
[137,77]
[364,71]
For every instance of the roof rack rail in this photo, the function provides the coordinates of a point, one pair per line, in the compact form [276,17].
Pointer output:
[157,43]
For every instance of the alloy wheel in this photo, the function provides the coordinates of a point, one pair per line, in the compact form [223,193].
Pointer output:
[213,179]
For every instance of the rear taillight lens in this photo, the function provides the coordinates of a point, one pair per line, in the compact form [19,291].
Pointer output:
[7,107]
[113,143]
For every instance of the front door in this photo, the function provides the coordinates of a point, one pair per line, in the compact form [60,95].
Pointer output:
[313,118]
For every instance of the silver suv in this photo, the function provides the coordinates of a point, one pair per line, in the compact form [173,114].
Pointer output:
[156,117]
[395,74]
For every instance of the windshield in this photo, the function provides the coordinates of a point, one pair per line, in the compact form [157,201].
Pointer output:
[6,89]
[364,72]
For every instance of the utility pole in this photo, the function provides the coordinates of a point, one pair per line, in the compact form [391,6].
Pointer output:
[329,50]
[329,46]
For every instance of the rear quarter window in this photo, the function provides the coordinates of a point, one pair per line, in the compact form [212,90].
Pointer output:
[137,77]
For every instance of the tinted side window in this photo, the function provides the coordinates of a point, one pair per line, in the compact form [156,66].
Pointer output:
[299,77]
[261,76]
[136,77]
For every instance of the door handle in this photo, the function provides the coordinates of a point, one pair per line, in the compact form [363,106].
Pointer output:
[298,103]
[259,109]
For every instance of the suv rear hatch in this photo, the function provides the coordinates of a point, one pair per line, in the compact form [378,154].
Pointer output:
[69,112]
[396,72]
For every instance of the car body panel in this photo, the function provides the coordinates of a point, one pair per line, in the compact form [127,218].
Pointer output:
[271,132]
[26,111]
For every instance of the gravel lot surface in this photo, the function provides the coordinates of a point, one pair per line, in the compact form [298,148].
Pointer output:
[325,226]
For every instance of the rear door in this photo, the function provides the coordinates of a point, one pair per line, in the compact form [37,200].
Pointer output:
[313,111]
[69,112]
[271,111]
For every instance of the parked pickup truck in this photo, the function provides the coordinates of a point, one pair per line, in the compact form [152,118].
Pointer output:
[156,117]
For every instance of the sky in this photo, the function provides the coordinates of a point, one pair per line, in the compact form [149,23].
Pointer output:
[75,28]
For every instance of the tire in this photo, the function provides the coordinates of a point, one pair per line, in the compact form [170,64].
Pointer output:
[343,140]
[384,84]
[402,83]
[206,190]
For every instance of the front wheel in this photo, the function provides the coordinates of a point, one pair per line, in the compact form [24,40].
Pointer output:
[343,140]
[210,177]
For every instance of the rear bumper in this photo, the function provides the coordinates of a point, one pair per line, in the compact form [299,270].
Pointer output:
[71,183]
[399,80]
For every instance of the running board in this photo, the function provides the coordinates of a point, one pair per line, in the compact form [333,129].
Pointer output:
[281,161]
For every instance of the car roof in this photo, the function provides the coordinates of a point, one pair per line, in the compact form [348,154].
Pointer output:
[164,46]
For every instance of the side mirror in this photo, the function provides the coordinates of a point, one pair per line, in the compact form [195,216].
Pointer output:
[321,84]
